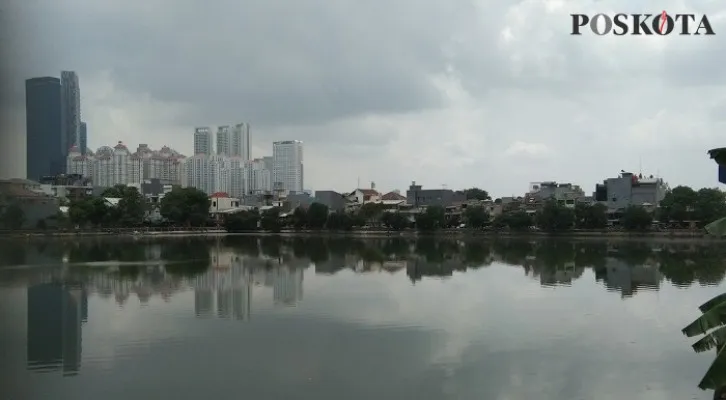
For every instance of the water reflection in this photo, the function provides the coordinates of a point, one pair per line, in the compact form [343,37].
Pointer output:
[223,278]
[55,314]
[221,265]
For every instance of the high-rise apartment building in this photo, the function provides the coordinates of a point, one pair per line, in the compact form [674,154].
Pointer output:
[71,103]
[240,141]
[118,166]
[46,145]
[223,140]
[258,176]
[203,141]
[234,141]
[209,174]
[287,166]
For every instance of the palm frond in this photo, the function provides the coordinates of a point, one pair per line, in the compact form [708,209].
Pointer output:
[717,228]
[713,318]
[715,377]
[712,303]
[715,339]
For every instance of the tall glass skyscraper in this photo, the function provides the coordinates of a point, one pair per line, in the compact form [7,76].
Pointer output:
[46,142]
[71,109]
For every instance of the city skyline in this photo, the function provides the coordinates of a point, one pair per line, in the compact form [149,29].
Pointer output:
[464,95]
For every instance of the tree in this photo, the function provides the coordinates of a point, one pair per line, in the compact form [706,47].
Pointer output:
[591,216]
[185,206]
[554,217]
[433,218]
[371,212]
[677,205]
[476,194]
[299,218]
[12,216]
[317,215]
[242,221]
[339,221]
[711,324]
[395,221]
[476,217]
[710,205]
[131,208]
[519,220]
[91,210]
[270,220]
[636,218]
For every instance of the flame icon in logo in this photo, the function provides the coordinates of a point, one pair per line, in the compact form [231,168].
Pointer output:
[663,20]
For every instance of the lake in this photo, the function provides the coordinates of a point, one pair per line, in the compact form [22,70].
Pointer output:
[320,318]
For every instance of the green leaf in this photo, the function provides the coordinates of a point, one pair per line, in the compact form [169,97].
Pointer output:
[715,339]
[712,303]
[717,228]
[713,318]
[715,377]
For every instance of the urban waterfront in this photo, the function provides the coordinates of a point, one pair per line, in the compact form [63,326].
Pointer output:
[331,318]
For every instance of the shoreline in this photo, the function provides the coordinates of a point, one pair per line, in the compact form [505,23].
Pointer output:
[378,234]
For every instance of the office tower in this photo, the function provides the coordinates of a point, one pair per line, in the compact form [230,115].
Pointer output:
[203,141]
[240,142]
[83,146]
[46,145]
[71,106]
[287,166]
[223,141]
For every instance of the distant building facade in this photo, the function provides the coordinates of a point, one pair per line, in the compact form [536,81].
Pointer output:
[630,189]
[287,159]
[71,109]
[84,139]
[419,197]
[46,144]
[203,141]
[332,199]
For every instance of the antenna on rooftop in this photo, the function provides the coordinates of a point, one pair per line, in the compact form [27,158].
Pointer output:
[445,186]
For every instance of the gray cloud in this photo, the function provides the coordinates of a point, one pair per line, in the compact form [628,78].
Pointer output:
[390,91]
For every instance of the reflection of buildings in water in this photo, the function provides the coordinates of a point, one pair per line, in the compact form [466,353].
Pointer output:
[391,266]
[288,285]
[152,280]
[626,278]
[55,314]
[563,274]
[225,288]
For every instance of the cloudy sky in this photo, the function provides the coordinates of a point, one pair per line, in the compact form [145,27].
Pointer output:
[462,93]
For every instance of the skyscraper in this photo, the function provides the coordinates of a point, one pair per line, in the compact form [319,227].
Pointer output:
[223,141]
[71,103]
[203,141]
[46,144]
[287,166]
[83,146]
[240,143]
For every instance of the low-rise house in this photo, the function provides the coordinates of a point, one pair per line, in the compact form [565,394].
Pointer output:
[68,186]
[36,205]
[221,201]
[334,200]
[419,197]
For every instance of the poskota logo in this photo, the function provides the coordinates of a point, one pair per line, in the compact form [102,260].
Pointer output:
[642,24]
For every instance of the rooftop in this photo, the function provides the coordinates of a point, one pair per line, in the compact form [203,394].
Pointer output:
[718,155]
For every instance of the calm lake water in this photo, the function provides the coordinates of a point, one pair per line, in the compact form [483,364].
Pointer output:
[271,318]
